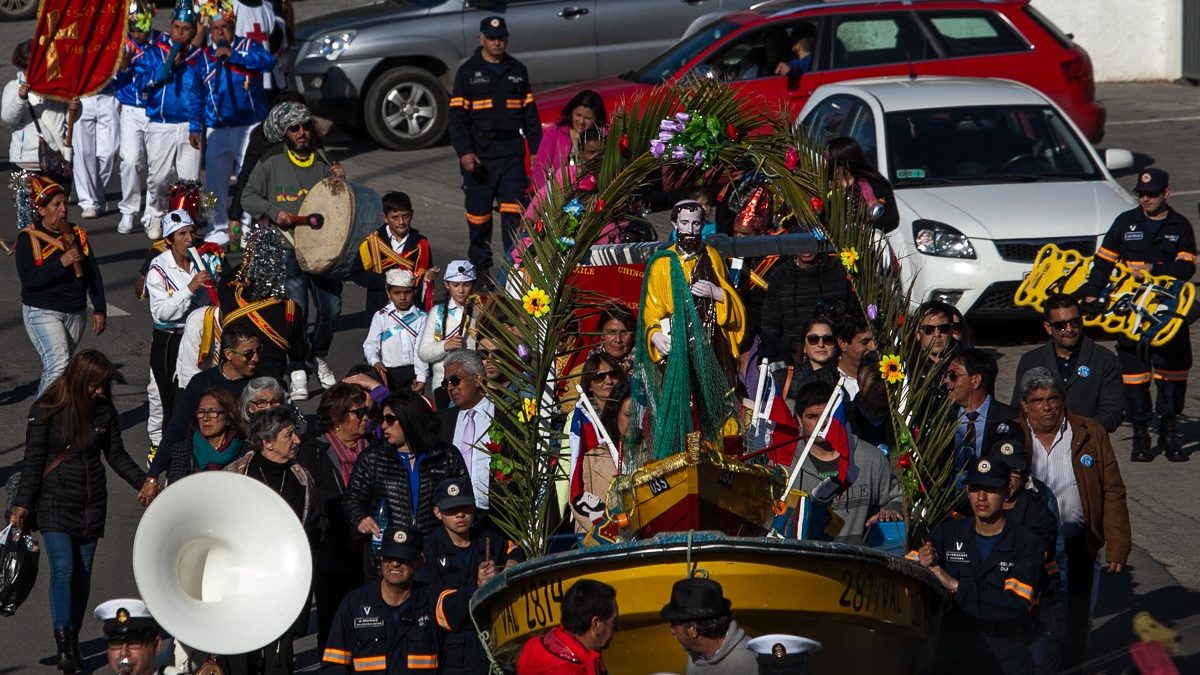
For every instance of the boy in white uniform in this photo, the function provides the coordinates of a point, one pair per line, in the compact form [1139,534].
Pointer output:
[391,344]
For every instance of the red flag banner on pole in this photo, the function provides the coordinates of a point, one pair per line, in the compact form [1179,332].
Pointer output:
[76,47]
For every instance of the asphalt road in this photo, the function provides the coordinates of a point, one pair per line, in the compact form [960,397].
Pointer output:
[1157,121]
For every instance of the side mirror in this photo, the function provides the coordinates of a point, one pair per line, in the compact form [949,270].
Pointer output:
[1117,158]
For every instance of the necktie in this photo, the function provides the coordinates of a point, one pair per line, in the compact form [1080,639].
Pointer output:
[468,437]
[967,452]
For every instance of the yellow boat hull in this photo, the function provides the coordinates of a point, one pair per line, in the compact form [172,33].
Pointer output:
[872,612]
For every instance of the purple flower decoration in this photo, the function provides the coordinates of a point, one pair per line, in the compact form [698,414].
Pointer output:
[665,136]
[698,159]
[668,125]
[523,352]
[872,312]
[657,148]
[679,153]
[682,117]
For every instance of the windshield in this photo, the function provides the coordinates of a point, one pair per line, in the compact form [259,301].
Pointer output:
[985,144]
[669,62]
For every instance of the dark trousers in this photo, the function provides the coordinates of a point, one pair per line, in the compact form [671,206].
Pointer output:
[164,350]
[498,179]
[1081,573]
[1170,364]
[327,296]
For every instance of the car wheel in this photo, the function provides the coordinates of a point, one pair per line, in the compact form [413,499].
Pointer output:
[406,109]
[16,10]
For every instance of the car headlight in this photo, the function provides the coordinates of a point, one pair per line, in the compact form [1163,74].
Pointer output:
[330,45]
[939,239]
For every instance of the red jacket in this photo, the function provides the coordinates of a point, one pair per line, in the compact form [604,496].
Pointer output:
[558,653]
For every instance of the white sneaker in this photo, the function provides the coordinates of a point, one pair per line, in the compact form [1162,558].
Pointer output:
[90,213]
[154,228]
[299,390]
[126,224]
[324,374]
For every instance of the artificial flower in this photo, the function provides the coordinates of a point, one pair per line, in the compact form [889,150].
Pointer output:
[573,208]
[731,131]
[588,183]
[682,117]
[623,144]
[791,158]
[872,312]
[528,410]
[891,369]
[657,148]
[698,158]
[679,153]
[599,205]
[491,448]
[536,302]
[904,461]
[816,204]
[850,259]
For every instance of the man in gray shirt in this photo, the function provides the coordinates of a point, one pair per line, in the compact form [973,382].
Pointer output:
[703,623]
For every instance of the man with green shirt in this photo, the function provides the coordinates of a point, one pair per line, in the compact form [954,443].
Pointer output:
[274,192]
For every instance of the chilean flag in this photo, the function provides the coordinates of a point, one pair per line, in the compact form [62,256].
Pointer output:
[837,433]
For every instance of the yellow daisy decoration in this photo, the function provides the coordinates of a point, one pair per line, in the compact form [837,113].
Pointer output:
[528,410]
[850,259]
[537,302]
[891,369]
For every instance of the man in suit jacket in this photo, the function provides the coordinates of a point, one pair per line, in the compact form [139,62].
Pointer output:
[970,380]
[1091,374]
[465,422]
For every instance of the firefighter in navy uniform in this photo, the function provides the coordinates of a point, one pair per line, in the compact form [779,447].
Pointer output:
[395,625]
[492,115]
[1158,240]
[991,566]
[457,553]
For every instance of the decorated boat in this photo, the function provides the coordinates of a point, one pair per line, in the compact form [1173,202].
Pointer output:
[872,612]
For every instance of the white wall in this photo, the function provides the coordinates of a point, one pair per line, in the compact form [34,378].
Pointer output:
[1127,39]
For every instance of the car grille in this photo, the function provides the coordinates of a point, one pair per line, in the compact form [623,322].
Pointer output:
[997,298]
[1025,250]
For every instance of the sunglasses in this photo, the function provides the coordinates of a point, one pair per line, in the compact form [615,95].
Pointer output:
[814,339]
[940,328]
[1147,195]
[606,375]
[452,381]
[485,353]
[359,412]
[295,128]
[953,375]
[389,420]
[1076,323]
[248,353]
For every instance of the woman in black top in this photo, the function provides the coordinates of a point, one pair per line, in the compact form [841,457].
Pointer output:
[58,273]
[63,484]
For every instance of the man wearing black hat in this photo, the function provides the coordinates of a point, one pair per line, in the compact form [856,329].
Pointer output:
[492,116]
[1157,240]
[991,567]
[397,624]
[132,636]
[701,620]
[457,553]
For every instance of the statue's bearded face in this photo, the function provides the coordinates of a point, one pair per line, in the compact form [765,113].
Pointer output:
[687,229]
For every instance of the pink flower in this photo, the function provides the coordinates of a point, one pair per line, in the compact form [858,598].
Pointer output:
[790,159]
[588,183]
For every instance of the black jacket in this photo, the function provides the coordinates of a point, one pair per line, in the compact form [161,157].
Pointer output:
[793,293]
[489,110]
[1166,247]
[73,498]
[1094,388]
[285,318]
[338,546]
[998,414]
[380,474]
[46,284]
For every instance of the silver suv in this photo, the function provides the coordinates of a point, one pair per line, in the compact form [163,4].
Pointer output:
[388,67]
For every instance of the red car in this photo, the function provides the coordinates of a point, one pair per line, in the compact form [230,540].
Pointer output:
[851,40]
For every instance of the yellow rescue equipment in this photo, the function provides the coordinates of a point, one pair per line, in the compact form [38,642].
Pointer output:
[1144,309]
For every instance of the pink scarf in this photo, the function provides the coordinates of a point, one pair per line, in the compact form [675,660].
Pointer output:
[346,454]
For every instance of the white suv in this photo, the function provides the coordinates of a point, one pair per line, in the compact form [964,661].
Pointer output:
[985,173]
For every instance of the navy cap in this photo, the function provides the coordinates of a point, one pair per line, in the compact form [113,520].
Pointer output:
[988,473]
[493,27]
[401,543]
[127,619]
[1151,181]
[1011,452]
[452,493]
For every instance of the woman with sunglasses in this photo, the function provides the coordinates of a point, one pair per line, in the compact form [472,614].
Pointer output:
[343,420]
[591,466]
[814,356]
[396,474]
[215,440]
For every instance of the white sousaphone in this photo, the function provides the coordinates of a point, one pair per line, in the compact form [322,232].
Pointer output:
[222,562]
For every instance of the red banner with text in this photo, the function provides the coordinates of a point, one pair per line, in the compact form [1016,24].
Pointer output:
[76,47]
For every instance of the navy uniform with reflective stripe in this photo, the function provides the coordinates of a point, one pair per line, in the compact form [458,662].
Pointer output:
[492,114]
[366,637]
[993,603]
[447,566]
[1160,247]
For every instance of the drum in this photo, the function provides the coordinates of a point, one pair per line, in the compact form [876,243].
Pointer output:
[350,211]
